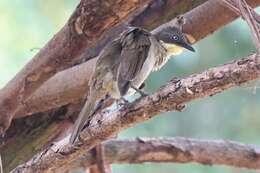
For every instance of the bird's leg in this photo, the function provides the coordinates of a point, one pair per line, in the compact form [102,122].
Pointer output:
[142,86]
[101,104]
[122,101]
[141,92]
[125,101]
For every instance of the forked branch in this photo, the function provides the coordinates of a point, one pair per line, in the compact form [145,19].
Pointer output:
[172,96]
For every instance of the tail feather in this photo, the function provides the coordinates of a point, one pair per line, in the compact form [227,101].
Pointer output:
[84,115]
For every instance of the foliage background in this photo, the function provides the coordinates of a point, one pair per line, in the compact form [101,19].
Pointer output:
[26,26]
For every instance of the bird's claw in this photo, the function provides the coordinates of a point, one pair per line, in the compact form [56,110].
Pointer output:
[141,92]
[122,102]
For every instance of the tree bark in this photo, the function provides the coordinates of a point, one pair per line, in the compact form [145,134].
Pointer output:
[80,32]
[69,85]
[65,87]
[28,136]
[175,150]
[172,96]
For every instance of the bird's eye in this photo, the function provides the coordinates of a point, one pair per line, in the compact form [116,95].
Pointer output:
[175,37]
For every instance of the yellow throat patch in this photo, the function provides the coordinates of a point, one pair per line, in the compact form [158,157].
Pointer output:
[172,49]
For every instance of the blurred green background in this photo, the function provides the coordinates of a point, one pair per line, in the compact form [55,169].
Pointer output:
[27,25]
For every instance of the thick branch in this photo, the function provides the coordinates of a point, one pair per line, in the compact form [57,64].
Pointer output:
[80,32]
[43,131]
[66,87]
[72,83]
[181,150]
[170,97]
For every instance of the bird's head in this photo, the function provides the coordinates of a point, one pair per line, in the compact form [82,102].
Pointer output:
[173,40]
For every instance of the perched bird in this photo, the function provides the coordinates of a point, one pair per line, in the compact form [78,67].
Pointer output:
[125,63]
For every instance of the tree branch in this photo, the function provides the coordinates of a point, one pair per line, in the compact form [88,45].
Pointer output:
[251,17]
[80,32]
[180,150]
[172,96]
[43,132]
[66,87]
[69,85]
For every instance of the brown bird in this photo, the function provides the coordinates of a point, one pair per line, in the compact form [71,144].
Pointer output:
[125,63]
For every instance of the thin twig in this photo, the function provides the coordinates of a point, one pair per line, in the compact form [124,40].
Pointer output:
[249,15]
[102,165]
[246,13]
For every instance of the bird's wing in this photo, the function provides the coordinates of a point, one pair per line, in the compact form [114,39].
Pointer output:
[135,48]
[109,57]
[100,84]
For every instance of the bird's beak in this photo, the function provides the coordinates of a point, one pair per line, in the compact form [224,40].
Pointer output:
[188,46]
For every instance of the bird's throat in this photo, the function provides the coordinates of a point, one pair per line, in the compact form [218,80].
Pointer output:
[172,49]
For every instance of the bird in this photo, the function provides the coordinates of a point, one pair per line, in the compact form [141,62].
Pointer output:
[126,62]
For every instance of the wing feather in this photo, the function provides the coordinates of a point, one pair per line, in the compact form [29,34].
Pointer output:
[135,49]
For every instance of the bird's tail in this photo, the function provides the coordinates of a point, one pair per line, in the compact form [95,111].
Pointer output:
[84,115]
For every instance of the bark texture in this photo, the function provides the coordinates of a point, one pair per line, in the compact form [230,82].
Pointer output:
[65,87]
[43,129]
[172,96]
[180,150]
[70,85]
[28,136]
[80,32]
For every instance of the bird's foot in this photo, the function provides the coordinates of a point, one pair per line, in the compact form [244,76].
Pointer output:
[141,92]
[122,102]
